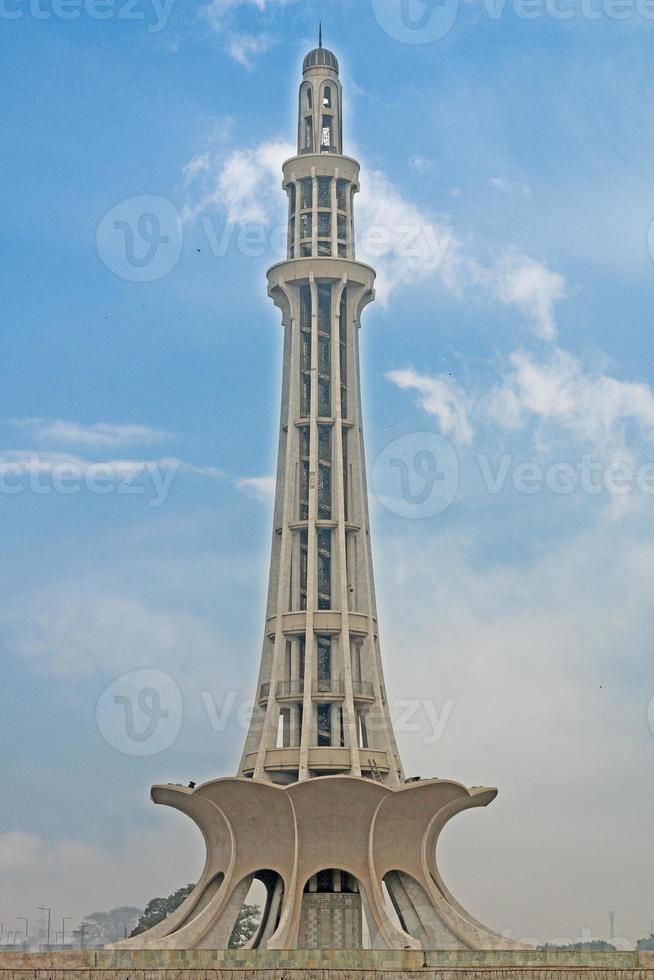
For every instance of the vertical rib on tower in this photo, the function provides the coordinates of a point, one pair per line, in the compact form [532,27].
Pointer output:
[321,704]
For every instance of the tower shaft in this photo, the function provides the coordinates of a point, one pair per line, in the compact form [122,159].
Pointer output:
[321,705]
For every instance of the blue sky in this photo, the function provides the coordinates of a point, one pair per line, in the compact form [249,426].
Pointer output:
[508,166]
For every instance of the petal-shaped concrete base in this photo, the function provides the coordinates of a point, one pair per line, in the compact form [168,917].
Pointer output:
[286,835]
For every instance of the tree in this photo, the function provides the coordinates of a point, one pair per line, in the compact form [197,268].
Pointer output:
[646,945]
[101,928]
[591,945]
[247,924]
[159,909]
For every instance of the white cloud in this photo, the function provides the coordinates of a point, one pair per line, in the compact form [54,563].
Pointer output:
[593,409]
[441,397]
[244,47]
[262,488]
[547,662]
[100,434]
[421,165]
[26,461]
[245,184]
[406,244]
[86,877]
[73,631]
[403,244]
[512,188]
[533,288]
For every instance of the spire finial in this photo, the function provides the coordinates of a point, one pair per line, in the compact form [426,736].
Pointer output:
[320,35]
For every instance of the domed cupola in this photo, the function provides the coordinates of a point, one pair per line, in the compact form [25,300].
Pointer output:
[321,127]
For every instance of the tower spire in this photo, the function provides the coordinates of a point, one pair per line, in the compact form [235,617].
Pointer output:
[320,34]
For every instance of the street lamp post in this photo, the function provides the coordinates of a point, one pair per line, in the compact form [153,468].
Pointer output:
[44,908]
[65,919]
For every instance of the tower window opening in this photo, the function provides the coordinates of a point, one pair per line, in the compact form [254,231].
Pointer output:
[324,569]
[342,349]
[284,729]
[327,97]
[306,308]
[325,307]
[306,226]
[324,192]
[342,226]
[304,567]
[341,190]
[324,712]
[306,251]
[292,198]
[324,224]
[324,663]
[306,194]
[324,473]
[341,728]
[346,476]
[301,656]
[309,98]
[308,135]
[324,492]
[304,473]
[324,248]
[326,134]
[362,730]
[342,252]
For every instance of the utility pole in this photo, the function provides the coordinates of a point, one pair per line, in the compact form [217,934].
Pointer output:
[44,908]
[65,919]
[26,920]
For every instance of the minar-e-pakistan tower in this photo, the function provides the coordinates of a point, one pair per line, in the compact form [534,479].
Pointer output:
[320,811]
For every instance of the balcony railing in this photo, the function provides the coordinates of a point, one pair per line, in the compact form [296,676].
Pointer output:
[322,686]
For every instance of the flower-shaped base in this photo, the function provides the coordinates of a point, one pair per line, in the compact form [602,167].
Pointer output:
[284,836]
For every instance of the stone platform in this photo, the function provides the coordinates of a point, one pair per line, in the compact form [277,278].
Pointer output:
[325,965]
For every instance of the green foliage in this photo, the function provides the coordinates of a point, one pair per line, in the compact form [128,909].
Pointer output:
[101,928]
[247,924]
[159,909]
[592,946]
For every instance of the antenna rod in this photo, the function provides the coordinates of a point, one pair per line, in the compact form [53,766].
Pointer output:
[320,35]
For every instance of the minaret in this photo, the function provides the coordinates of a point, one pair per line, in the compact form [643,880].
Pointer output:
[321,703]
[320,813]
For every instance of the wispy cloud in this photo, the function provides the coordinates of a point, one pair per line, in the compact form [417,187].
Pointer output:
[510,187]
[100,434]
[441,397]
[244,47]
[262,488]
[29,461]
